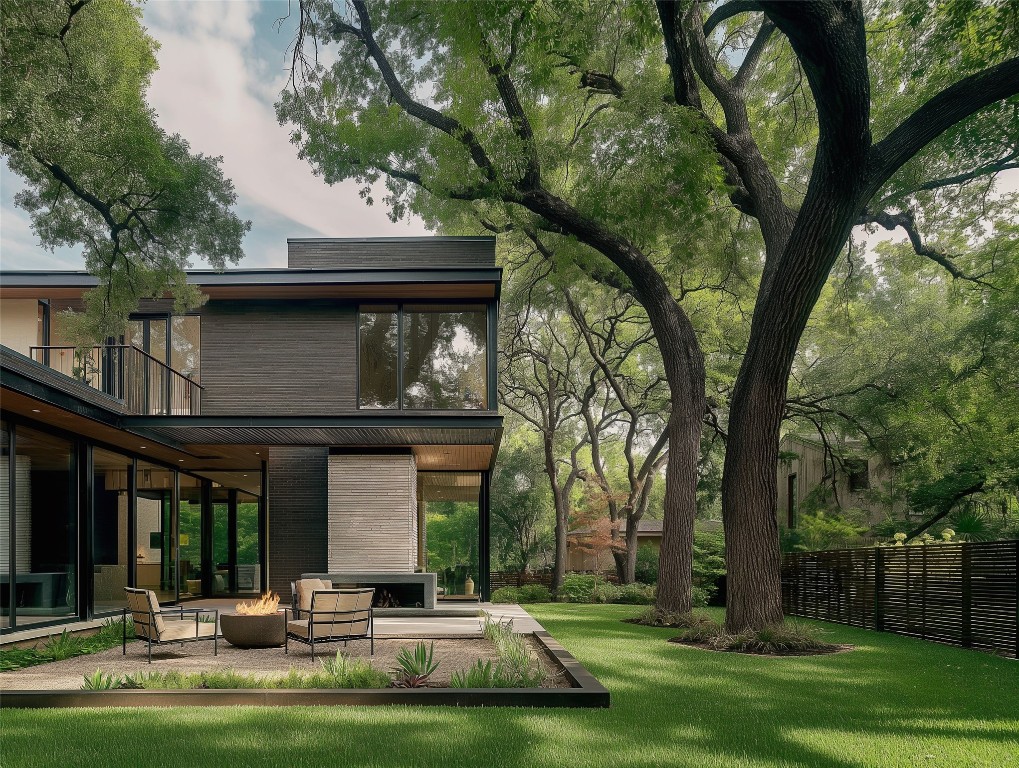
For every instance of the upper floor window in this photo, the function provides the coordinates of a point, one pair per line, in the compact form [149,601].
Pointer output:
[859,474]
[423,356]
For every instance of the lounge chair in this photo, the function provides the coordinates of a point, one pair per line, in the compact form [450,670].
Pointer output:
[333,615]
[163,627]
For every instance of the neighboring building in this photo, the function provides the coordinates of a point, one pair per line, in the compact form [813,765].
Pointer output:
[302,420]
[581,556]
[865,483]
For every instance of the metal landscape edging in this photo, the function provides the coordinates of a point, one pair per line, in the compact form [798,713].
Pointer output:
[586,692]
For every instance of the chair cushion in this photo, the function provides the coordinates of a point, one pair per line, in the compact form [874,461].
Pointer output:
[305,588]
[324,630]
[141,604]
[298,627]
[186,629]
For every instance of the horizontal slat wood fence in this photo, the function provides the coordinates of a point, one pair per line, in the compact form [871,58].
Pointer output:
[961,594]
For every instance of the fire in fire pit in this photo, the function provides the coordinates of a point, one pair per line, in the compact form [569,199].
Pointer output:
[267,604]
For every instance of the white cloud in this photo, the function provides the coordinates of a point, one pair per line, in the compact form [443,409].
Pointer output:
[215,86]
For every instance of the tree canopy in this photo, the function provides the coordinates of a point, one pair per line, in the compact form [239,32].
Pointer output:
[636,136]
[99,171]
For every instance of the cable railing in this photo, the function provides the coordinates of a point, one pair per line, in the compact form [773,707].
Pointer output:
[145,385]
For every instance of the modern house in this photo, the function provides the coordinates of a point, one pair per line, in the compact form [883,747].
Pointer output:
[866,483]
[306,419]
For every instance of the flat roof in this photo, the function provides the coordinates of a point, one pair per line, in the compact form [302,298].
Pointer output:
[283,282]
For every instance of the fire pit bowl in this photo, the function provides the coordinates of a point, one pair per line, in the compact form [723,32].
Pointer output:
[257,624]
[253,630]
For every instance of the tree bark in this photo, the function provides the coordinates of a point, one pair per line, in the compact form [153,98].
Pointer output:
[562,515]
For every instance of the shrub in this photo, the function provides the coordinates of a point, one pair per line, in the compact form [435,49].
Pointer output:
[708,562]
[529,593]
[516,668]
[577,588]
[604,592]
[415,667]
[99,681]
[506,595]
[700,596]
[636,594]
[348,673]
[535,593]
[646,569]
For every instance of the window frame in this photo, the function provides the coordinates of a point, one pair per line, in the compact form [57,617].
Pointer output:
[491,353]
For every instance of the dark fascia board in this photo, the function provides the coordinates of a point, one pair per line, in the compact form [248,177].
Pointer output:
[413,239]
[457,420]
[271,276]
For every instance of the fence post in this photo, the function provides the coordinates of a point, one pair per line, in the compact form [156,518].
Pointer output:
[923,593]
[879,588]
[966,556]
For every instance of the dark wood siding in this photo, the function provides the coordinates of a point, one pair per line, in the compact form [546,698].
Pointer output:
[392,253]
[298,515]
[278,358]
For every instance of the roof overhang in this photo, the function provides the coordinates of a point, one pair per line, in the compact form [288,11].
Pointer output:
[440,282]
[461,440]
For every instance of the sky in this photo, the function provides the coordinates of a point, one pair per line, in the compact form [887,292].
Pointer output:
[222,65]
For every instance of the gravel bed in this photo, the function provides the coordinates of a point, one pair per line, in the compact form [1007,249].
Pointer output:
[452,655]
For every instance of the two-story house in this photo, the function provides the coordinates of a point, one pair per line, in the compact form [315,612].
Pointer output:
[305,419]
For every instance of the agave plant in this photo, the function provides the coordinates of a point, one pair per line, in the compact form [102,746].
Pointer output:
[100,681]
[414,667]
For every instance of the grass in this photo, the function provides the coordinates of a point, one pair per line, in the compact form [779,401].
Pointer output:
[893,701]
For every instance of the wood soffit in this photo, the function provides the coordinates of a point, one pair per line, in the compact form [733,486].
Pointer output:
[235,447]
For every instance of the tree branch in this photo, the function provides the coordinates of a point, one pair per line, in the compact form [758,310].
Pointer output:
[726,11]
[906,220]
[448,125]
[938,114]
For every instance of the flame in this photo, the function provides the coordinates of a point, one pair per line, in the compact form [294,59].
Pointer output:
[263,606]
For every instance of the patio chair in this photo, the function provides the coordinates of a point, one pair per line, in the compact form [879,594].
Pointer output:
[301,591]
[334,615]
[154,625]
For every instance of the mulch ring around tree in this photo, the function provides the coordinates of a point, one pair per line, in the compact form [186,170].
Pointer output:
[832,648]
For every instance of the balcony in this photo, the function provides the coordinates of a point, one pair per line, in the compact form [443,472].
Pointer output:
[145,385]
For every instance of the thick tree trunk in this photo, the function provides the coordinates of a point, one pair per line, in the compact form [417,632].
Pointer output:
[630,553]
[749,479]
[619,561]
[560,498]
[675,563]
[749,497]
[625,557]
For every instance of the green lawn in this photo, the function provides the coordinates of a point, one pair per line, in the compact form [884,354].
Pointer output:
[891,702]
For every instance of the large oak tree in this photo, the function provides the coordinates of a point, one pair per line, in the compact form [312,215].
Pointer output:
[473,103]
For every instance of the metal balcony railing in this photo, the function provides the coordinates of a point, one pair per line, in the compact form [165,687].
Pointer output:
[144,384]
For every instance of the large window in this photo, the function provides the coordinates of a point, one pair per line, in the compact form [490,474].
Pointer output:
[38,585]
[379,336]
[111,550]
[424,357]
